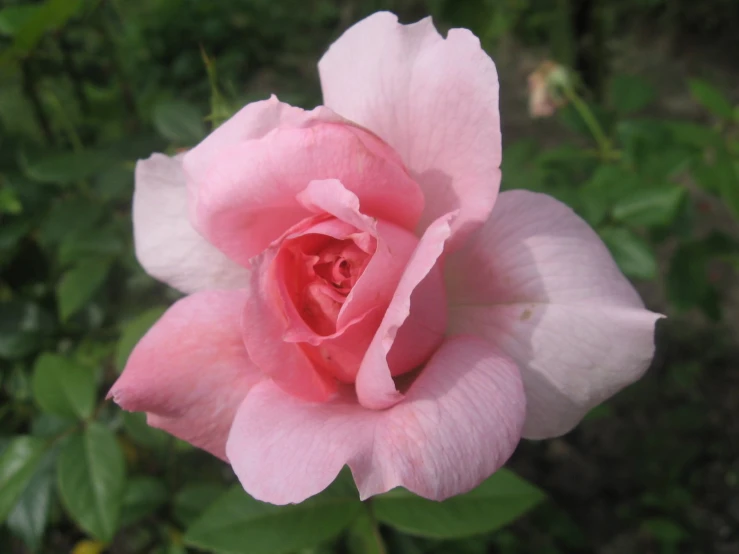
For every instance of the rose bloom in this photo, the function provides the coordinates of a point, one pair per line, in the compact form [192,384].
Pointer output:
[359,293]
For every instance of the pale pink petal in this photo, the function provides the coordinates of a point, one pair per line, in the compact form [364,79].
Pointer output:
[460,421]
[191,371]
[330,196]
[434,100]
[375,386]
[424,327]
[539,284]
[247,197]
[253,121]
[264,325]
[167,246]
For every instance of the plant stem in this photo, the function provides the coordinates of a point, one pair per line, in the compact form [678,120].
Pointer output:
[604,145]
[364,534]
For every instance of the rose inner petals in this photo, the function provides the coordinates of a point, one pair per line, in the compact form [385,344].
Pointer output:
[321,271]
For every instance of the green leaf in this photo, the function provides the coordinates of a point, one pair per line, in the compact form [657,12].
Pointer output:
[687,280]
[665,163]
[706,176]
[23,325]
[630,94]
[179,122]
[405,544]
[132,332]
[238,524]
[649,206]
[364,536]
[13,18]
[720,177]
[69,216]
[711,98]
[632,254]
[79,284]
[62,387]
[29,518]
[143,496]
[115,183]
[11,233]
[66,167]
[601,411]
[104,243]
[48,426]
[500,499]
[641,140]
[18,463]
[142,434]
[694,134]
[607,184]
[194,499]
[51,15]
[665,530]
[728,180]
[17,384]
[9,202]
[91,480]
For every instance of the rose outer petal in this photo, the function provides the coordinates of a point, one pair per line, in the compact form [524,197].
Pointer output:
[167,246]
[538,283]
[460,421]
[191,371]
[246,197]
[251,122]
[434,100]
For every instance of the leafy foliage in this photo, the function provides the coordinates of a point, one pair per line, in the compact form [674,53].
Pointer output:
[499,500]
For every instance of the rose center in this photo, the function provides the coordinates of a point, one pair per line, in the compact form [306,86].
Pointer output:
[341,266]
[324,270]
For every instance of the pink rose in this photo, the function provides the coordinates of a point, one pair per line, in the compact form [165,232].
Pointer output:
[360,294]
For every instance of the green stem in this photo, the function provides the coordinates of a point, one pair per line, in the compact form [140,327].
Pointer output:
[364,534]
[604,145]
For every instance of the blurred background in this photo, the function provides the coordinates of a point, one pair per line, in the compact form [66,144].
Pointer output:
[624,109]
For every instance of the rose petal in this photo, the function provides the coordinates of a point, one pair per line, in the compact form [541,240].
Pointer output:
[167,246]
[247,197]
[394,247]
[423,329]
[375,386]
[341,353]
[459,423]
[435,101]
[538,283]
[330,196]
[191,371]
[253,121]
[264,327]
